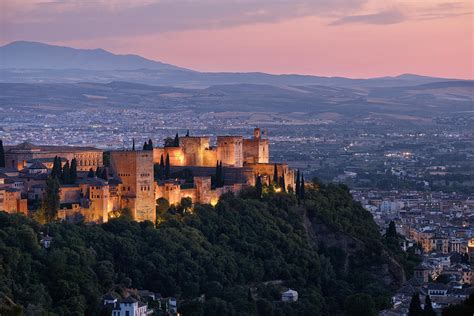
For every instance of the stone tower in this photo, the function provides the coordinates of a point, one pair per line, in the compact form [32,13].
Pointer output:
[229,151]
[135,170]
[256,149]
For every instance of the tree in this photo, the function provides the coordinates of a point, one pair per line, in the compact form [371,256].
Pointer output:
[301,189]
[415,306]
[169,142]
[73,171]
[187,133]
[50,204]
[222,176]
[150,144]
[428,310]
[275,174]
[57,169]
[176,141]
[297,189]
[258,186]
[282,183]
[145,146]
[162,205]
[2,155]
[167,167]
[359,305]
[66,173]
[91,174]
[391,231]
[162,167]
[104,175]
[98,172]
[217,174]
[133,144]
[186,203]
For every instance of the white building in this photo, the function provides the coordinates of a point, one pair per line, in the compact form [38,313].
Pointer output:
[131,307]
[289,296]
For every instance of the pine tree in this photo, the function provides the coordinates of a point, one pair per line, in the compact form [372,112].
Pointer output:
[167,167]
[90,174]
[2,155]
[428,310]
[66,173]
[275,174]
[297,189]
[73,173]
[415,306]
[176,141]
[301,190]
[258,186]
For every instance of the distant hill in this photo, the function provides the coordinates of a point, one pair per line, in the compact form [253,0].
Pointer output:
[33,62]
[34,55]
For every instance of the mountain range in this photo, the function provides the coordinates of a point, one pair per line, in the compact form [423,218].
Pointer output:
[33,62]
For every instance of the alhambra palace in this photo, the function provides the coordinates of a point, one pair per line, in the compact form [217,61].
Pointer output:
[131,182]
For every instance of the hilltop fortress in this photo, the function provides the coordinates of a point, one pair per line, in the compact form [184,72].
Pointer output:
[130,181]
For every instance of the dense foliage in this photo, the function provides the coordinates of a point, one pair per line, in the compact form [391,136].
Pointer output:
[229,253]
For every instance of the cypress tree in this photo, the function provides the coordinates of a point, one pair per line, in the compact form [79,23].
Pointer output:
[176,141]
[66,173]
[301,190]
[297,189]
[104,175]
[51,201]
[150,144]
[415,306]
[56,171]
[187,133]
[167,167]
[133,144]
[98,172]
[275,174]
[73,173]
[162,167]
[2,155]
[391,231]
[282,183]
[428,310]
[145,146]
[90,174]
[222,179]
[258,186]
[218,174]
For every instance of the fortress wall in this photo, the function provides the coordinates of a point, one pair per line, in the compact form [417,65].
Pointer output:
[176,155]
[193,149]
[210,157]
[266,171]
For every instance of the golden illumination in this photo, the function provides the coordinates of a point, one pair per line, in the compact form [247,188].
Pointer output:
[214,201]
[278,190]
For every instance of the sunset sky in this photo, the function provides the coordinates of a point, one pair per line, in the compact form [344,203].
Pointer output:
[351,38]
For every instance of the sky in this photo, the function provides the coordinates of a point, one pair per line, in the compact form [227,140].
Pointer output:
[350,38]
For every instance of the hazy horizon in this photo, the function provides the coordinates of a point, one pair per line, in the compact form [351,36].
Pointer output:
[344,38]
